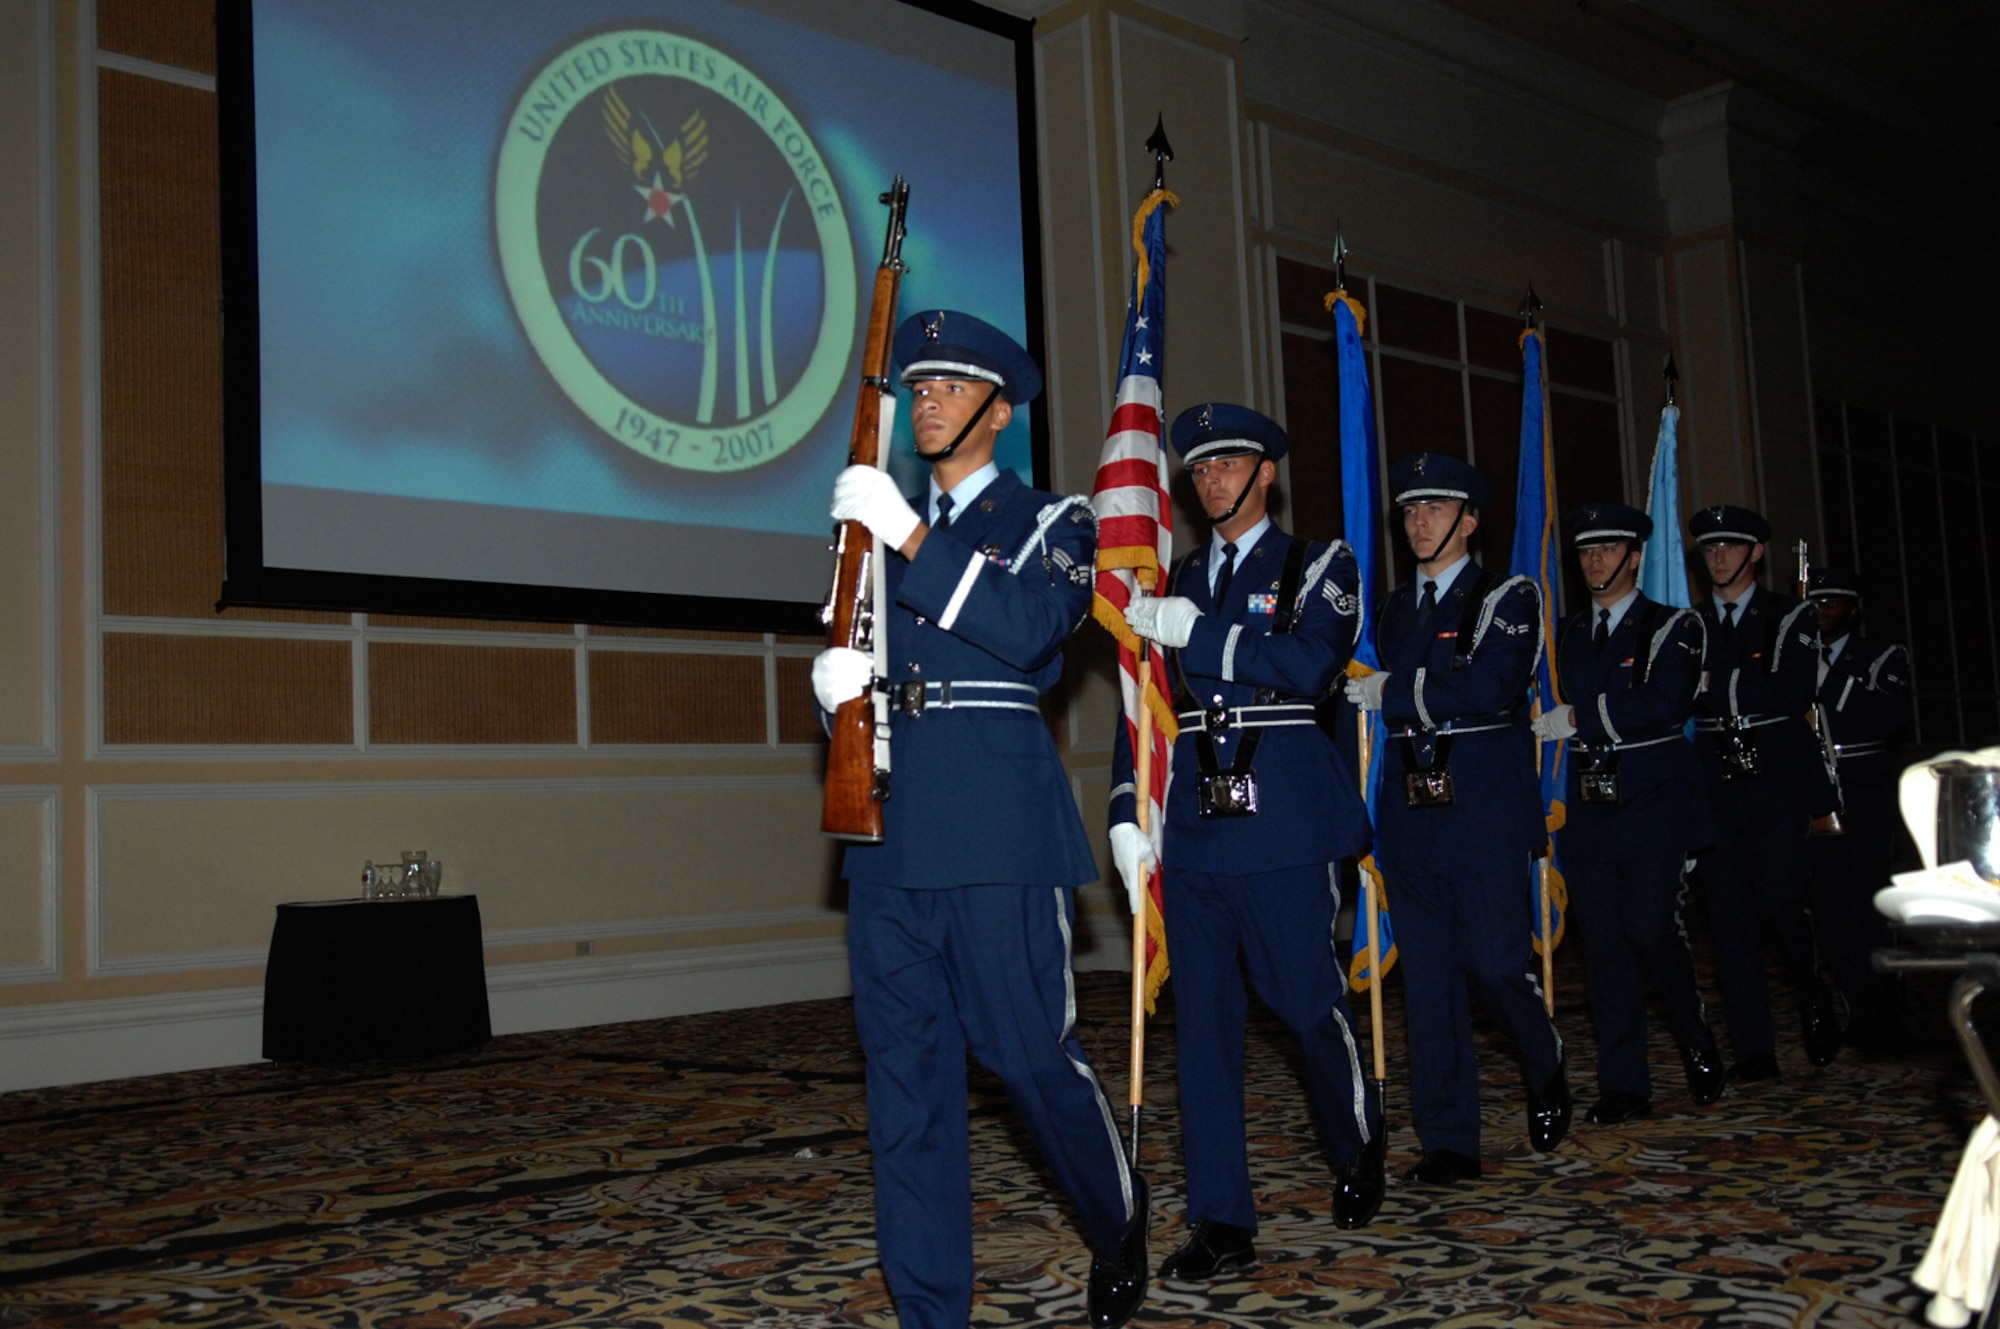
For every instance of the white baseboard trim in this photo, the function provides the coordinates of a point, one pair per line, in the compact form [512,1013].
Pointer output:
[115,1038]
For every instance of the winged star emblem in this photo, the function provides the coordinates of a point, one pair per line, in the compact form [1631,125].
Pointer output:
[645,150]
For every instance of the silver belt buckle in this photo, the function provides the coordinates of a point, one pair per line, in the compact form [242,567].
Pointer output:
[909,698]
[1215,719]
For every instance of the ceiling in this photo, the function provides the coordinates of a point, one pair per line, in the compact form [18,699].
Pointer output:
[1920,69]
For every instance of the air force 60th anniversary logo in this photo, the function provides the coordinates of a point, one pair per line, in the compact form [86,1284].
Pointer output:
[675,249]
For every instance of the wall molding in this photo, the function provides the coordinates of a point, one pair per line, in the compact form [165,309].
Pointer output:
[49,893]
[118,1037]
[98,963]
[48,399]
[253,957]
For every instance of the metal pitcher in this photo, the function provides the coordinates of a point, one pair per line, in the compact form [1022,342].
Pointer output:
[1951,804]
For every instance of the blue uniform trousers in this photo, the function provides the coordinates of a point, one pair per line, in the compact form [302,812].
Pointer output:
[985,969]
[1282,924]
[1629,910]
[1755,882]
[1468,923]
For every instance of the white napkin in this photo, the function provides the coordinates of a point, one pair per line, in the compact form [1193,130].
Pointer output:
[1949,892]
[1958,1267]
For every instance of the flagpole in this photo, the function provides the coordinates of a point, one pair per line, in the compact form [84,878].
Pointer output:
[1142,758]
[1142,752]
[1366,752]
[1360,521]
[1530,303]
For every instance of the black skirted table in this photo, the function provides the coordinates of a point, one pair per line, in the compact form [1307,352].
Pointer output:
[355,980]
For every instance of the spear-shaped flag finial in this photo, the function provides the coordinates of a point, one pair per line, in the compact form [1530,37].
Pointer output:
[1163,151]
[1673,377]
[1531,305]
[1339,257]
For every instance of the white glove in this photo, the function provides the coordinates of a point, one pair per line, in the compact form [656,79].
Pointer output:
[1168,620]
[866,495]
[840,673]
[1366,692]
[1132,851]
[1554,724]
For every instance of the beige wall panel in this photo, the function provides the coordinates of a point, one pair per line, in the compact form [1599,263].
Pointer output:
[23,424]
[1091,703]
[1106,919]
[425,693]
[1642,288]
[174,689]
[1786,460]
[1432,227]
[179,873]
[23,877]
[638,697]
[1716,461]
[1208,293]
[798,712]
[1074,236]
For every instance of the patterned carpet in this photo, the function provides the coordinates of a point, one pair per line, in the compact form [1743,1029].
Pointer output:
[714,1170]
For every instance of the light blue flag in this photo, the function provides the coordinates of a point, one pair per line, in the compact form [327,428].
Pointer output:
[1534,556]
[1663,572]
[1360,506]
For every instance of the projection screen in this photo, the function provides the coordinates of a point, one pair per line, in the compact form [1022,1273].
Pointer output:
[554,311]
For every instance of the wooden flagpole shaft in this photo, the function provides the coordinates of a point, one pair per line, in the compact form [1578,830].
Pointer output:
[1548,942]
[1374,920]
[1142,798]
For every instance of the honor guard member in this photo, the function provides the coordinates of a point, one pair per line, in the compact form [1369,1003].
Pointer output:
[1459,819]
[1766,783]
[1864,701]
[1635,810]
[1260,810]
[959,921]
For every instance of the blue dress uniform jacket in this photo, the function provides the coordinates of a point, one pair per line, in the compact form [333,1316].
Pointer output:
[1661,809]
[1762,672]
[1866,693]
[960,921]
[1623,861]
[1458,877]
[977,792]
[1309,805]
[1499,802]
[1865,700]
[1259,892]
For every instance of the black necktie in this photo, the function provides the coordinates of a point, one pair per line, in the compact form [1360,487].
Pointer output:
[944,512]
[1602,633]
[1225,574]
[1427,605]
[1728,618]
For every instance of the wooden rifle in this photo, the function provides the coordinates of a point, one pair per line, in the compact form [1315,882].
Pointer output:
[1830,824]
[857,761]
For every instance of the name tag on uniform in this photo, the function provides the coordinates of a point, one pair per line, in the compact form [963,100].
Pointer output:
[1265,603]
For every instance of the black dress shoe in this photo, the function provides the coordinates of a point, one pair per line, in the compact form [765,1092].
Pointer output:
[1548,1111]
[1358,1187]
[1761,1066]
[1442,1167]
[1612,1108]
[1705,1075]
[1210,1248]
[1118,1278]
[1822,1036]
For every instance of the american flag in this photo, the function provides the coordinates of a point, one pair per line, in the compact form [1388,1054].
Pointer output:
[1135,532]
